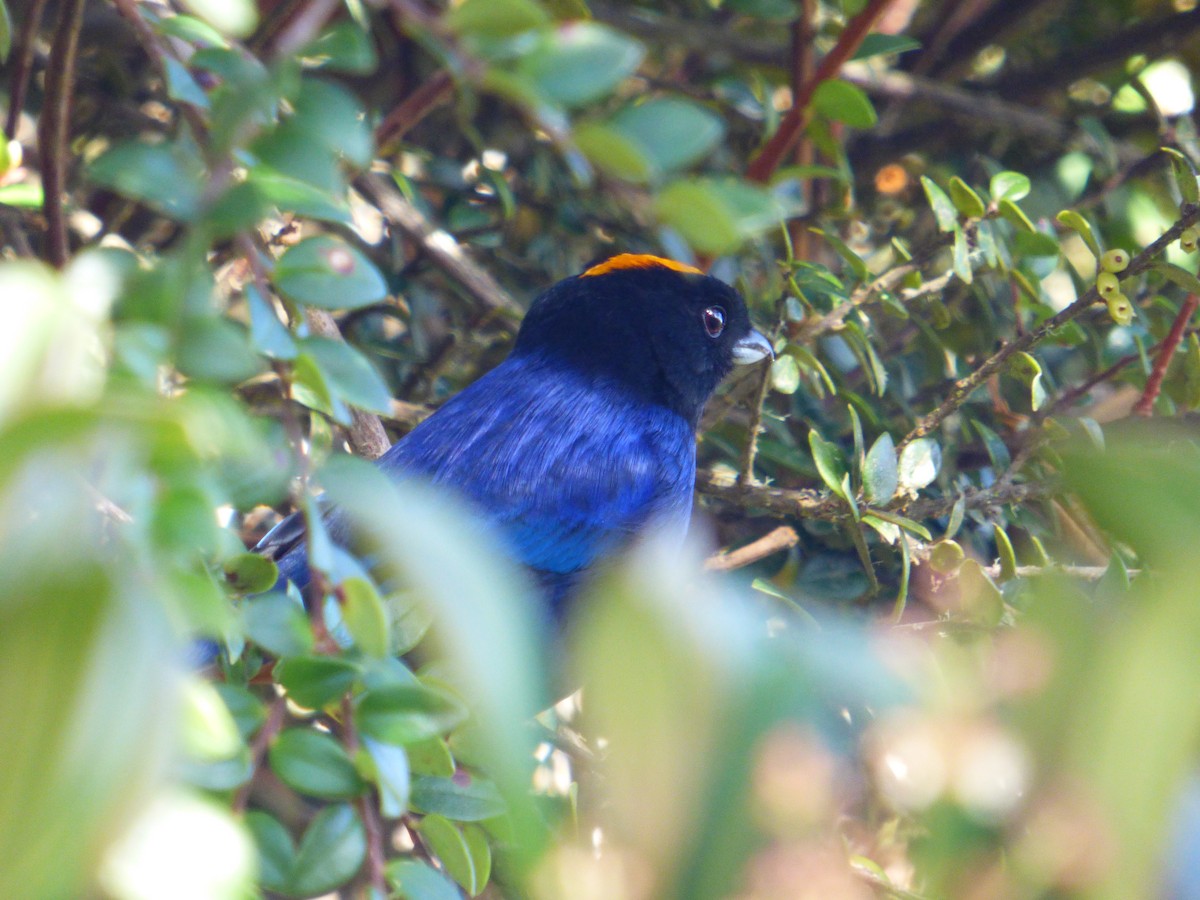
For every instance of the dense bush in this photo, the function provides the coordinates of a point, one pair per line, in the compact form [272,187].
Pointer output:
[952,648]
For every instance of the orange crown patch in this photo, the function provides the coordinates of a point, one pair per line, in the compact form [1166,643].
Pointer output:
[624,261]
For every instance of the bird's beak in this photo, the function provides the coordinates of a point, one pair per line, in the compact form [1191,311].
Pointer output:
[751,349]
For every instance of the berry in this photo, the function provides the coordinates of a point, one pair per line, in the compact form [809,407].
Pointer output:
[1115,261]
[1120,309]
[1108,285]
[1189,239]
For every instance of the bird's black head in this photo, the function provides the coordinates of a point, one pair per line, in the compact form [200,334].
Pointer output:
[665,330]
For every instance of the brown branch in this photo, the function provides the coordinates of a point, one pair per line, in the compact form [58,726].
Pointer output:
[966,386]
[304,27]
[54,125]
[820,505]
[771,155]
[1156,37]
[413,108]
[781,538]
[1145,404]
[22,66]
[367,437]
[445,252]
[276,715]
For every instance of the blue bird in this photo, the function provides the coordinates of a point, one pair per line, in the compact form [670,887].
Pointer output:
[585,434]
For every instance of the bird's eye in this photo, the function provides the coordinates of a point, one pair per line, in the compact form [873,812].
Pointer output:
[714,321]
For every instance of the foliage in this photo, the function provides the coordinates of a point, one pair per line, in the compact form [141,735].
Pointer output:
[963,667]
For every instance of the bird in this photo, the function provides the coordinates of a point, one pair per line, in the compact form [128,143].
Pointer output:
[585,435]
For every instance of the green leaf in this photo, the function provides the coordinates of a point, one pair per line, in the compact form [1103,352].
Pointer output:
[247,710]
[348,374]
[879,44]
[664,134]
[413,879]
[269,335]
[5,32]
[1077,223]
[390,771]
[430,757]
[182,86]
[496,18]
[463,798]
[191,30]
[216,349]
[331,852]
[856,263]
[1006,555]
[450,848]
[962,256]
[943,209]
[481,853]
[249,573]
[919,464]
[580,62]
[315,681]
[831,464]
[997,451]
[1010,186]
[406,714]
[785,374]
[278,625]
[1035,243]
[1178,276]
[1010,212]
[841,101]
[276,852]
[344,47]
[328,273]
[717,215]
[236,18]
[162,176]
[365,617]
[24,195]
[1185,175]
[613,152]
[881,471]
[314,763]
[966,201]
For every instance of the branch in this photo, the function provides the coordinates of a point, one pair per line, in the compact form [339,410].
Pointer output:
[965,387]
[768,159]
[781,538]
[54,124]
[367,437]
[806,503]
[1145,404]
[445,252]
[413,108]
[22,65]
[276,715]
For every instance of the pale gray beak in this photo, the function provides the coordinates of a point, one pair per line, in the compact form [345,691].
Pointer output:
[751,349]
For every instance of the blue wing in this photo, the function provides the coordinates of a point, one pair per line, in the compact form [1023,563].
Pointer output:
[567,468]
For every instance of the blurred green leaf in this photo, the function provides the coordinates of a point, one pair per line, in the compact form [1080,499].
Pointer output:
[330,853]
[413,879]
[580,62]
[496,18]
[163,176]
[880,44]
[1010,186]
[343,47]
[328,273]
[447,842]
[462,797]
[314,763]
[278,625]
[943,209]
[881,471]
[249,573]
[236,18]
[391,774]
[314,681]
[842,101]
[717,216]
[919,463]
[405,714]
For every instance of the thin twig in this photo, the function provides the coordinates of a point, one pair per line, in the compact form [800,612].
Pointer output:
[441,247]
[54,125]
[413,108]
[768,159]
[781,538]
[367,435]
[276,715]
[22,66]
[966,386]
[1145,404]
[304,27]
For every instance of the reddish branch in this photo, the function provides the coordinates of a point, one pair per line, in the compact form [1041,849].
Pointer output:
[1145,405]
[413,108]
[22,65]
[768,159]
[54,123]
[781,538]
